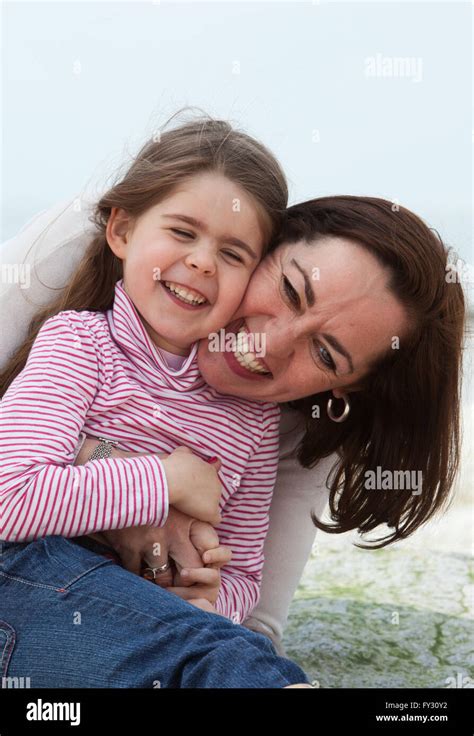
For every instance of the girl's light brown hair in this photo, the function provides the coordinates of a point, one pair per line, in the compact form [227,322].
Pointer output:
[406,417]
[200,145]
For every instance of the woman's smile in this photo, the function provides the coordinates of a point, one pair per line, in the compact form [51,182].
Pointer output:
[241,356]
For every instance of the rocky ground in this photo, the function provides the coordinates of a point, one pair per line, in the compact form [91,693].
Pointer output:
[397,617]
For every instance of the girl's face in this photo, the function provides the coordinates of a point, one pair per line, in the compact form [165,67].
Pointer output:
[187,261]
[317,317]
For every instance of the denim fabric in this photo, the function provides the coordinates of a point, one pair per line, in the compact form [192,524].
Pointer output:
[70,617]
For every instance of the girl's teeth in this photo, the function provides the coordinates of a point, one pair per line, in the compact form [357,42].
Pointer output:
[184,294]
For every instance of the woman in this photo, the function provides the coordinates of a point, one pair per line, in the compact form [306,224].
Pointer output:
[394,368]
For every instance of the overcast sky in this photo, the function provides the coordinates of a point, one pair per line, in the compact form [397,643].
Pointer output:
[358,98]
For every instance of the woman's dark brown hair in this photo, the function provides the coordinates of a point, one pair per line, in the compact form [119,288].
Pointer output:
[165,161]
[406,415]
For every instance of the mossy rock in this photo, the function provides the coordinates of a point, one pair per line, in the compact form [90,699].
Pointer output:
[395,617]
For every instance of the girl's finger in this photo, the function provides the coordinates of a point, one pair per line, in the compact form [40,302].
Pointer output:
[197,591]
[203,536]
[201,575]
[203,604]
[219,555]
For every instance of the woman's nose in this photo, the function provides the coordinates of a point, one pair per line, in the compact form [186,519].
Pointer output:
[201,259]
[280,338]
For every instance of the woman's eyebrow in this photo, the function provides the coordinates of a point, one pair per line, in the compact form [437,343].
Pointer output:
[308,289]
[311,299]
[226,239]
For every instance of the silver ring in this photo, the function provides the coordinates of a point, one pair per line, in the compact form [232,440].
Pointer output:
[158,570]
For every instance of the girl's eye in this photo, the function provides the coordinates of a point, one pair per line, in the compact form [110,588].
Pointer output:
[291,292]
[325,357]
[233,255]
[182,233]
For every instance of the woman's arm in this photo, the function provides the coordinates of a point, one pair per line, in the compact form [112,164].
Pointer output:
[46,250]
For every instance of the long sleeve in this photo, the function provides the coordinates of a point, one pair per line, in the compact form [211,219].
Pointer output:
[42,415]
[244,525]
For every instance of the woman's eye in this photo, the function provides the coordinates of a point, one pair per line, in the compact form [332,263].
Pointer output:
[291,292]
[234,256]
[325,356]
[182,233]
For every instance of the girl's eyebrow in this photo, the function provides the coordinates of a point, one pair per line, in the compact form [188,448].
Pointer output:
[227,239]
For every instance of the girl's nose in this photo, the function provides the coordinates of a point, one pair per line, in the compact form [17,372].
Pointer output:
[201,259]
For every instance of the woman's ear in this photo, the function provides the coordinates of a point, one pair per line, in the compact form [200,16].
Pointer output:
[117,231]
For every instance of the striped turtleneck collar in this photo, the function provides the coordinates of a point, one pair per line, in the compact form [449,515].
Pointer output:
[128,331]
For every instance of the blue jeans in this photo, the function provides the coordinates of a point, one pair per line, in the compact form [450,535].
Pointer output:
[70,617]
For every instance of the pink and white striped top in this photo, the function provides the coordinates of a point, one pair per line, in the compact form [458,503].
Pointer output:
[100,373]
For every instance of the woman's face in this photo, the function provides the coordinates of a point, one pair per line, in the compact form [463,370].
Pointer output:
[316,317]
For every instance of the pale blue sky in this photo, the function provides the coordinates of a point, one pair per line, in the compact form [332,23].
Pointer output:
[303,76]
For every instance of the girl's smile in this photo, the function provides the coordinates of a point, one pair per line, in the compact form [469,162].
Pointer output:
[187,260]
[185,296]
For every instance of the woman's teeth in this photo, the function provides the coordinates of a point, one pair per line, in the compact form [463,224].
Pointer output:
[246,358]
[185,295]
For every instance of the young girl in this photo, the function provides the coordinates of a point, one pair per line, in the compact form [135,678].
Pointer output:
[115,356]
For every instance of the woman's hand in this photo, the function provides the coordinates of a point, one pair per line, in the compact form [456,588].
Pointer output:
[183,539]
[187,542]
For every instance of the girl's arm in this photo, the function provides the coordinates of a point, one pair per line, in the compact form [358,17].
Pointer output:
[291,535]
[43,412]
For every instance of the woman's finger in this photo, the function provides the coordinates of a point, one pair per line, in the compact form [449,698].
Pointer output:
[131,560]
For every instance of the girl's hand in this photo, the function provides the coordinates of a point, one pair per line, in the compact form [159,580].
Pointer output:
[213,554]
[201,582]
[204,605]
[193,485]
